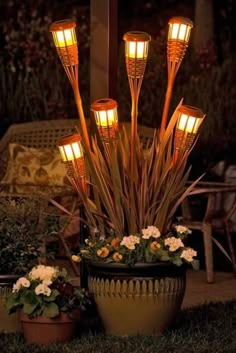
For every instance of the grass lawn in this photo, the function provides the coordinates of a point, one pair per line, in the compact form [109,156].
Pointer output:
[204,329]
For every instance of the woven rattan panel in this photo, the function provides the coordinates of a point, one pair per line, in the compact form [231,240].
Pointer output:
[38,134]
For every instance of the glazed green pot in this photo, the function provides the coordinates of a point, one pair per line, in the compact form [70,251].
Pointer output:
[142,299]
[8,323]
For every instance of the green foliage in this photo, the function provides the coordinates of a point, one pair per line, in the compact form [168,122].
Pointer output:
[47,291]
[207,328]
[22,236]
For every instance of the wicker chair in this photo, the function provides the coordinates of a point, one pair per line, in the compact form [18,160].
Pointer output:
[38,134]
[212,219]
[44,134]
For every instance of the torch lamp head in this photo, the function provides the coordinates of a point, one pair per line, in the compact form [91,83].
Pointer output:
[136,52]
[72,155]
[178,38]
[106,117]
[188,123]
[64,37]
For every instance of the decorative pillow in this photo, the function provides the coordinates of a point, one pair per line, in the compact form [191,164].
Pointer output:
[34,166]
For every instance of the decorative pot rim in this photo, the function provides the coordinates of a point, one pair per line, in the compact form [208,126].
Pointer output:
[136,265]
[119,270]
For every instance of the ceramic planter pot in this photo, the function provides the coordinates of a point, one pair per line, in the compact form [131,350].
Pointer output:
[142,299]
[8,323]
[42,330]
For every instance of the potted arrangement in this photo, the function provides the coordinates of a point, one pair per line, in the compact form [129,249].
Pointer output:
[48,304]
[138,277]
[130,189]
[21,246]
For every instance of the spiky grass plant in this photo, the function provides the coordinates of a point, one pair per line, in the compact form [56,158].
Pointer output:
[159,185]
[128,185]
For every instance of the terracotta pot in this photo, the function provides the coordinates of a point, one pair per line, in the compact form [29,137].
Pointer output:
[8,323]
[142,299]
[42,330]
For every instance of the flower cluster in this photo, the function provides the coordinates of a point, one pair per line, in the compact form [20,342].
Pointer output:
[46,290]
[150,246]
[44,273]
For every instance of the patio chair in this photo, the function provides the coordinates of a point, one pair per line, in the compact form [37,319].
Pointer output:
[212,219]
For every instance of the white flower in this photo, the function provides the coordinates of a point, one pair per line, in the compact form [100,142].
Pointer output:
[188,254]
[130,241]
[42,289]
[182,229]
[47,282]
[43,273]
[151,231]
[21,282]
[174,243]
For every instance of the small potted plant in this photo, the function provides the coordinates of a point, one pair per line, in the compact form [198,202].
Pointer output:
[48,304]
[21,246]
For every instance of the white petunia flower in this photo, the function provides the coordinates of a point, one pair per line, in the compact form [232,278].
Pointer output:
[188,254]
[150,231]
[182,229]
[174,243]
[47,282]
[42,289]
[130,241]
[21,282]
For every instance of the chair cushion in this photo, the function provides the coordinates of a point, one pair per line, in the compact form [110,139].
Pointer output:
[33,166]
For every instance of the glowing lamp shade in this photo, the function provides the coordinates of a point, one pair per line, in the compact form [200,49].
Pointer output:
[70,147]
[188,123]
[64,37]
[136,44]
[190,119]
[72,155]
[106,117]
[179,29]
[63,33]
